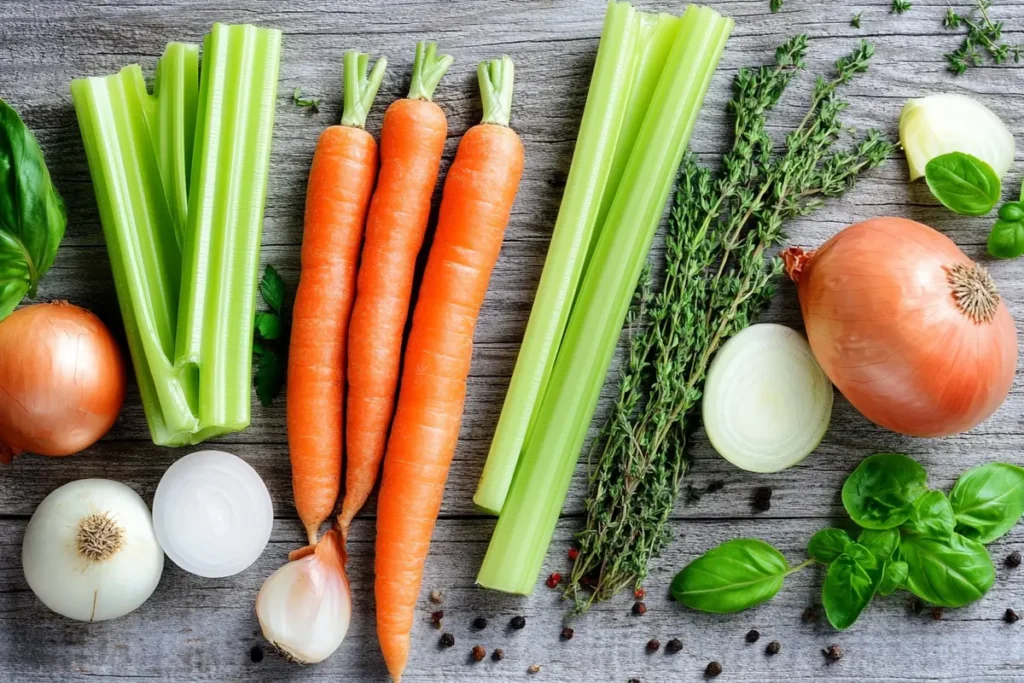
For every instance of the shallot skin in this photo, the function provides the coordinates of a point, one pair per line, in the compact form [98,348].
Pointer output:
[62,380]
[885,325]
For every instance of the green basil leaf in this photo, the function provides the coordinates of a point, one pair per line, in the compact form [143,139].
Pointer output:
[988,500]
[893,577]
[828,544]
[949,573]
[880,492]
[1011,211]
[881,542]
[734,576]
[849,587]
[963,183]
[862,556]
[1006,240]
[32,217]
[932,516]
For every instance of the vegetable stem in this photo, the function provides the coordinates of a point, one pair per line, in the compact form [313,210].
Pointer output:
[360,87]
[427,70]
[496,78]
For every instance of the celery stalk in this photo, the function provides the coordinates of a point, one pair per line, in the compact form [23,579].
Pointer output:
[588,174]
[228,191]
[541,482]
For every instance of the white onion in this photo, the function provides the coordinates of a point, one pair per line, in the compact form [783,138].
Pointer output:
[212,513]
[90,552]
[939,124]
[767,402]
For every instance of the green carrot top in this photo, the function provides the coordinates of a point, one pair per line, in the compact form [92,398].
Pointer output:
[427,70]
[360,87]
[496,77]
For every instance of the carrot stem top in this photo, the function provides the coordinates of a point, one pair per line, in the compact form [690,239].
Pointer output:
[496,77]
[427,70]
[360,87]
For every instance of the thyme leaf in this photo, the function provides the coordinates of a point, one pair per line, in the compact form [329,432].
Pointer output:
[312,103]
[983,35]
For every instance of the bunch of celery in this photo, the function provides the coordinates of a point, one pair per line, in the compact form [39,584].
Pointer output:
[181,180]
[650,79]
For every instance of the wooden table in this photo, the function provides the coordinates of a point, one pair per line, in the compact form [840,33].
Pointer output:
[202,629]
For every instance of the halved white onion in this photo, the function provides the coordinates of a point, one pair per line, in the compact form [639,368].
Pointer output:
[939,124]
[767,402]
[212,514]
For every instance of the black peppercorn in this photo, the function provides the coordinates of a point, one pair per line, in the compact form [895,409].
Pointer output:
[713,669]
[762,498]
[639,609]
[774,647]
[256,654]
[715,486]
[447,640]
[517,623]
[673,646]
[567,633]
[653,645]
[634,680]
[833,654]
[1010,616]
[753,636]
[479,623]
[1013,560]
[498,655]
[479,653]
[810,614]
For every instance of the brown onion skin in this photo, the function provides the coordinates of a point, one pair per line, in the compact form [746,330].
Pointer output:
[62,379]
[883,323]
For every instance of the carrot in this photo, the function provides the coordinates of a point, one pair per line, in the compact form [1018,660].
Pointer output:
[475,209]
[340,184]
[411,143]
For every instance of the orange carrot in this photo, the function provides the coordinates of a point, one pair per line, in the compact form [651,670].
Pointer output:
[475,209]
[340,184]
[411,143]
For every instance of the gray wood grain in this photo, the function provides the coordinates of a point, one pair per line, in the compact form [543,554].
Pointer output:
[203,629]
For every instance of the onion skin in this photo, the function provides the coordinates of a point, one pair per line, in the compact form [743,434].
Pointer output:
[883,322]
[63,378]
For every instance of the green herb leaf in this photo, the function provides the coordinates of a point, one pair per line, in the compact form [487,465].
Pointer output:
[900,6]
[849,587]
[268,325]
[32,216]
[828,544]
[775,5]
[269,377]
[313,103]
[880,492]
[948,573]
[272,289]
[988,501]
[855,20]
[963,183]
[881,542]
[931,516]
[893,576]
[982,34]
[735,576]
[1006,240]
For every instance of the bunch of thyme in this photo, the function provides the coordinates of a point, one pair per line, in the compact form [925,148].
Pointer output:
[982,33]
[718,277]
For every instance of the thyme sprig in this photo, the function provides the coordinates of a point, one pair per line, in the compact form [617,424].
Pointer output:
[718,276]
[982,34]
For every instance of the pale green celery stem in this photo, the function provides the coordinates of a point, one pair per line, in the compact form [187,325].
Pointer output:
[360,87]
[588,174]
[116,116]
[524,529]
[227,195]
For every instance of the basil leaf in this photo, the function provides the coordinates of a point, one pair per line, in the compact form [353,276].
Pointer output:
[963,183]
[849,587]
[932,516]
[881,542]
[862,556]
[893,577]
[828,544]
[988,500]
[734,576]
[32,217]
[879,493]
[1006,240]
[950,573]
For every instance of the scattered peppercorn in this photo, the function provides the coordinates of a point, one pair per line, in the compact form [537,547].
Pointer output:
[567,633]
[436,597]
[518,623]
[479,623]
[714,486]
[573,553]
[916,605]
[533,669]
[713,669]
[936,613]
[1013,560]
[762,498]
[479,653]
[753,636]
[639,609]
[673,646]
[639,593]
[653,645]
[498,655]
[447,640]
[554,580]
[774,647]
[1010,616]
[833,654]
[256,654]
[437,616]
[634,680]
[810,614]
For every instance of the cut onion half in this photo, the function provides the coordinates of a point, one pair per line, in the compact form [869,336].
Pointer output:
[767,402]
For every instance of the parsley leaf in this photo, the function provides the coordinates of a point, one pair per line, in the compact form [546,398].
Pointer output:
[269,349]
[268,326]
[269,378]
[272,289]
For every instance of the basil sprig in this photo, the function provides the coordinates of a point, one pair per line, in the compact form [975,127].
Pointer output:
[963,183]
[912,538]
